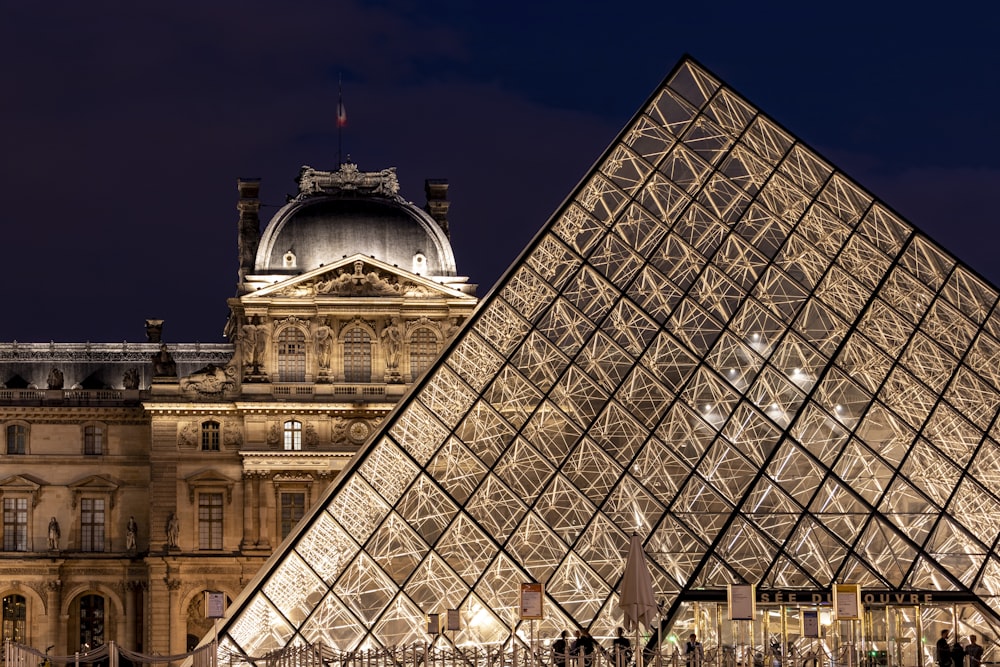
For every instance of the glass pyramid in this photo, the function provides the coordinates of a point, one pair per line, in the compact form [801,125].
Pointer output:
[719,341]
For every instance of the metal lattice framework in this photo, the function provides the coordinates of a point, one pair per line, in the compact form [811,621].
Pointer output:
[721,342]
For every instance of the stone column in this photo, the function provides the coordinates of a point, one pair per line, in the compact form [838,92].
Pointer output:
[128,639]
[176,627]
[249,503]
[263,512]
[53,602]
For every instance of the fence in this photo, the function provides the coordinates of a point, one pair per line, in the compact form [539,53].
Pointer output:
[109,655]
[415,655]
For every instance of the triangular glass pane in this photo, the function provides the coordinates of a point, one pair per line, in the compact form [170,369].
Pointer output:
[333,625]
[396,628]
[435,586]
[458,469]
[537,546]
[397,548]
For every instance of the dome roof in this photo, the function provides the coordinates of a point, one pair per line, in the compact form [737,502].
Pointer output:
[347,212]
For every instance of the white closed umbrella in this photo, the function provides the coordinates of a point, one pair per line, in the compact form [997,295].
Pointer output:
[636,597]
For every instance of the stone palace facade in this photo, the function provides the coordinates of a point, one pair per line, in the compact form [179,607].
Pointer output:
[136,476]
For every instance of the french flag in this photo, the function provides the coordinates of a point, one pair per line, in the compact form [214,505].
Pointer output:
[341,114]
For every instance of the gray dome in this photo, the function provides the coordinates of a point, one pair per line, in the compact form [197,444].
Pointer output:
[327,222]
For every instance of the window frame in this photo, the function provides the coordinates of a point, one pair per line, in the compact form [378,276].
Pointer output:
[286,524]
[211,438]
[14,623]
[11,543]
[356,344]
[93,533]
[11,432]
[211,520]
[95,433]
[424,351]
[291,355]
[291,435]
[96,617]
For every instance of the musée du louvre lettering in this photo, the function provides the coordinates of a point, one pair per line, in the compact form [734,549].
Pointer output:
[720,342]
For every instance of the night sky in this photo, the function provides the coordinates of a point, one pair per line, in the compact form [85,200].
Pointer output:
[126,125]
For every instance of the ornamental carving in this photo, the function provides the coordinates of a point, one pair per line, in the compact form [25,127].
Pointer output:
[188,436]
[309,437]
[232,437]
[348,178]
[358,281]
[338,429]
[210,381]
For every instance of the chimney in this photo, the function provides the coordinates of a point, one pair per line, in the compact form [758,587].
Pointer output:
[249,224]
[437,202]
[154,331]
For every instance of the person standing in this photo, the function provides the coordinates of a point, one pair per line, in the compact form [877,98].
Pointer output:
[975,652]
[583,648]
[943,650]
[693,652]
[621,648]
[957,654]
[560,649]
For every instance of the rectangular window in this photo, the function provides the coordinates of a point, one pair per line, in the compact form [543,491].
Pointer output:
[209,520]
[293,506]
[15,524]
[93,440]
[92,524]
[210,437]
[17,439]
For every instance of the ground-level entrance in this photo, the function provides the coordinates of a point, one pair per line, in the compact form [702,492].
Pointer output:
[800,629]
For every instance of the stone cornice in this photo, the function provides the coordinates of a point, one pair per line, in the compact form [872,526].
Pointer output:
[113,352]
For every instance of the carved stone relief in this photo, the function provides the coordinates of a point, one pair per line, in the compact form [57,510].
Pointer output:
[232,436]
[188,436]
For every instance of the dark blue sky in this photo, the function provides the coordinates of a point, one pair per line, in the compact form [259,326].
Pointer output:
[125,127]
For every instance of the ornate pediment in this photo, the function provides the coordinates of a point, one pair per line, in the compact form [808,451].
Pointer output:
[359,276]
[209,479]
[22,484]
[94,485]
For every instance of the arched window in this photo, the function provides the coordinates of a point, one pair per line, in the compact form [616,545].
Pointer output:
[293,435]
[93,440]
[291,356]
[91,622]
[423,351]
[210,436]
[357,356]
[14,619]
[17,439]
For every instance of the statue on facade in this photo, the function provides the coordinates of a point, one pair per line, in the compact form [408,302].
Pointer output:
[392,343]
[163,363]
[130,378]
[173,530]
[248,336]
[55,379]
[324,346]
[131,530]
[54,534]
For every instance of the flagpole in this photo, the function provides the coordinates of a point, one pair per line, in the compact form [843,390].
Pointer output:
[340,125]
